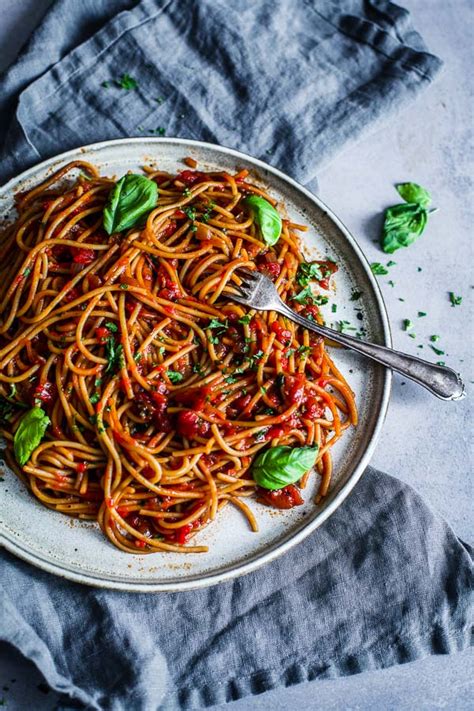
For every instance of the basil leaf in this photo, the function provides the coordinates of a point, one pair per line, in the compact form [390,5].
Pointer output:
[411,192]
[133,197]
[280,466]
[29,434]
[266,217]
[403,224]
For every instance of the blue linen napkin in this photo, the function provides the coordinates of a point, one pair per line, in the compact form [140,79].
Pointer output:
[384,581]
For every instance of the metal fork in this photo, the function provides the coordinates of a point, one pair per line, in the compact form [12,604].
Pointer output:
[259,292]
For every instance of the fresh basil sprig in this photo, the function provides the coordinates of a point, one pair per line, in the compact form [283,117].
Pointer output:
[266,217]
[29,433]
[279,466]
[405,222]
[133,197]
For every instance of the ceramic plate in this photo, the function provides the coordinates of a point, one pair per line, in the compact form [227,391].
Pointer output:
[78,550]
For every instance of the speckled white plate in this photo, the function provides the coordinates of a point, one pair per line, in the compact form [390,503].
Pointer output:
[78,550]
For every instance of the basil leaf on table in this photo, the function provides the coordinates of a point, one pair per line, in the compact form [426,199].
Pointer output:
[266,217]
[279,466]
[403,224]
[29,434]
[133,197]
[411,192]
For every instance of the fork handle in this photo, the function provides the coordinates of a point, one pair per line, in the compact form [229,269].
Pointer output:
[443,382]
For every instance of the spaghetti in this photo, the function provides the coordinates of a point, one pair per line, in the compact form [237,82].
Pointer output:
[160,389]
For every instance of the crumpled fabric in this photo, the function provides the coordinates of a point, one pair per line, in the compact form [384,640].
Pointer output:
[383,581]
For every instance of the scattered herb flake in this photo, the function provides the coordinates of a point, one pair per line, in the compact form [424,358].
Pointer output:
[407,324]
[455,300]
[126,82]
[438,351]
[421,314]
[174,376]
[378,269]
[434,338]
[355,296]
[334,308]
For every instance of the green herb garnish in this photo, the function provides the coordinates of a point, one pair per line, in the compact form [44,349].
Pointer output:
[434,338]
[455,300]
[407,324]
[355,296]
[129,201]
[438,351]
[304,296]
[421,314]
[404,223]
[126,82]
[378,269]
[308,271]
[267,218]
[174,376]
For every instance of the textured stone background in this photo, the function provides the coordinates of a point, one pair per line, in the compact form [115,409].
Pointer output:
[425,441]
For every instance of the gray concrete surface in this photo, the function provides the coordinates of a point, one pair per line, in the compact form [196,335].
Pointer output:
[425,441]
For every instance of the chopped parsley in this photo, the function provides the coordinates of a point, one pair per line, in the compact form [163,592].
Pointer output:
[190,212]
[320,300]
[438,351]
[334,308]
[114,355]
[355,296]
[208,212]
[302,350]
[391,263]
[111,326]
[198,369]
[174,376]
[186,192]
[421,314]
[407,324]
[106,84]
[229,379]
[245,320]
[434,338]
[342,326]
[215,323]
[304,296]
[378,269]
[94,398]
[308,271]
[126,82]
[27,272]
[391,282]
[455,300]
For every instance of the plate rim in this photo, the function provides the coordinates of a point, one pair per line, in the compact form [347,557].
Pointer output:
[213,578]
